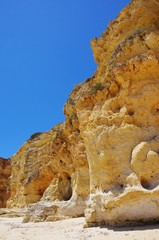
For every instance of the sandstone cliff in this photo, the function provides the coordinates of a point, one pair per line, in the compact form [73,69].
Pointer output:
[103,161]
[5,172]
[51,167]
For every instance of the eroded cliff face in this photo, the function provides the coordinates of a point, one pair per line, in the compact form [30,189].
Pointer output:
[121,129]
[33,168]
[103,161]
[5,172]
[51,170]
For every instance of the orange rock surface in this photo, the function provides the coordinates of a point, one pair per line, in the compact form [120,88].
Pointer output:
[5,172]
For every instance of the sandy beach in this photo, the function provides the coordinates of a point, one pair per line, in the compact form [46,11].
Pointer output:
[71,229]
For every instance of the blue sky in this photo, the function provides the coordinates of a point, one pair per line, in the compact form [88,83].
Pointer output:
[44,51]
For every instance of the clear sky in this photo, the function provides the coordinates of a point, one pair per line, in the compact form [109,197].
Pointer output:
[44,51]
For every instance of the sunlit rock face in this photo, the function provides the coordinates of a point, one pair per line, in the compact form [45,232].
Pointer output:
[5,172]
[118,118]
[34,168]
[121,127]
[103,160]
[50,171]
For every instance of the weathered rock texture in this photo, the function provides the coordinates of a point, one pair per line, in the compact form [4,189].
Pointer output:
[52,168]
[121,129]
[103,161]
[5,172]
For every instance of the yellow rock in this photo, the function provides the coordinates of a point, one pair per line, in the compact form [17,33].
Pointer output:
[103,160]
[121,131]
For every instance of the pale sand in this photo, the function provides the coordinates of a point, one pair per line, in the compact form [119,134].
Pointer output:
[71,229]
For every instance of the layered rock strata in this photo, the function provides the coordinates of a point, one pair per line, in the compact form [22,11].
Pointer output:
[51,168]
[103,161]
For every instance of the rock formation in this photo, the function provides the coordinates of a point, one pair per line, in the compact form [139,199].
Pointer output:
[103,161]
[121,129]
[5,172]
[51,167]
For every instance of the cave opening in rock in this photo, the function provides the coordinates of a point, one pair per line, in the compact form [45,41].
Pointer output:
[65,189]
[149,184]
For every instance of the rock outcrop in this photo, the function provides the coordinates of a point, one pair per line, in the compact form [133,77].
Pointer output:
[51,168]
[121,128]
[5,172]
[103,161]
